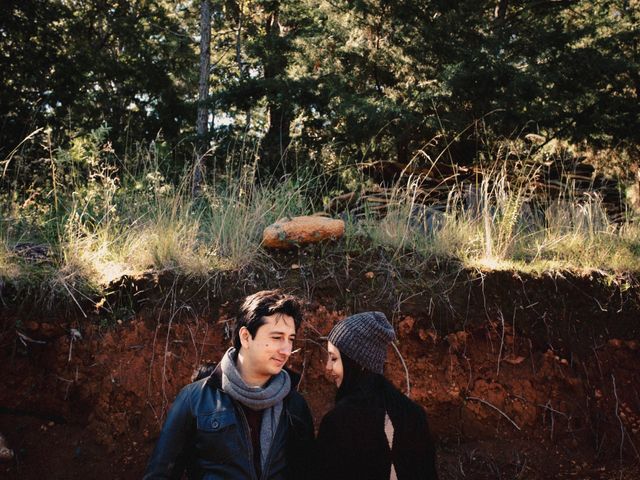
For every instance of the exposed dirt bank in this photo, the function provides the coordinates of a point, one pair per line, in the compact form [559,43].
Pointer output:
[522,377]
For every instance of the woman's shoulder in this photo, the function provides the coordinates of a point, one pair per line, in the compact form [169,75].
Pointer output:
[347,423]
[348,413]
[403,402]
[343,409]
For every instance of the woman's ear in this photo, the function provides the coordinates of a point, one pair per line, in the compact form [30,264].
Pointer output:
[245,335]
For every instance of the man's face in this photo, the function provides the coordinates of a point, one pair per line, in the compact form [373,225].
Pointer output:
[264,355]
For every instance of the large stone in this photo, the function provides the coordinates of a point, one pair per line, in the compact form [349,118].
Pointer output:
[290,232]
[6,454]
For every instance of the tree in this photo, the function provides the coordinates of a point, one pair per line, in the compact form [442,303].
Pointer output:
[82,64]
[202,125]
[400,73]
[354,79]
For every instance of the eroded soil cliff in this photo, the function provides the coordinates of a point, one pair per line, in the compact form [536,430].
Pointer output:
[522,377]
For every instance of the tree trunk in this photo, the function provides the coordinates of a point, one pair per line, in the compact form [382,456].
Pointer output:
[202,122]
[276,141]
[242,70]
[402,149]
[501,10]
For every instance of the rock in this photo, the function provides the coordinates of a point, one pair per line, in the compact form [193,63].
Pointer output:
[290,232]
[406,326]
[457,341]
[514,360]
[6,453]
[615,343]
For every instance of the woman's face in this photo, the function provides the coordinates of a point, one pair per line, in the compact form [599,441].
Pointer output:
[334,364]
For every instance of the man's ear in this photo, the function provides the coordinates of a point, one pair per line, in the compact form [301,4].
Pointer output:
[245,335]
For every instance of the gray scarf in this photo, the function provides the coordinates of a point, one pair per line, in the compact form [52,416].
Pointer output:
[268,398]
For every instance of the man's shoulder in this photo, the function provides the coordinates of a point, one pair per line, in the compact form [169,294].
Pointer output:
[200,395]
[199,385]
[189,393]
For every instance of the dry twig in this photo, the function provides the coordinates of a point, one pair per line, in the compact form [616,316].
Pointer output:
[481,400]
[406,370]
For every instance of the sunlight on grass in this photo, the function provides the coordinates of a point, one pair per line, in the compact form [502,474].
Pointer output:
[9,269]
[221,233]
[502,224]
[101,222]
[150,224]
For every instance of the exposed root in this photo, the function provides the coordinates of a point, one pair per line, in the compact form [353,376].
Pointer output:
[406,370]
[488,404]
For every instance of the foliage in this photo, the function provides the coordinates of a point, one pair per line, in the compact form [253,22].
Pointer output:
[306,83]
[68,64]
[503,225]
[403,71]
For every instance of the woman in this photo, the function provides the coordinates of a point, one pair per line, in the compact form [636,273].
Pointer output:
[374,431]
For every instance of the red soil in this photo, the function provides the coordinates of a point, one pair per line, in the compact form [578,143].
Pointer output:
[499,406]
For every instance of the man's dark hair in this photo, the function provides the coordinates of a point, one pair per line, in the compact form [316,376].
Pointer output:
[262,304]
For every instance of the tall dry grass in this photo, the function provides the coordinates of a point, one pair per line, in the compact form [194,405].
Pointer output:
[506,220]
[104,217]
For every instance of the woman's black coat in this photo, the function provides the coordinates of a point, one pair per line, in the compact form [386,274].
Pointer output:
[352,443]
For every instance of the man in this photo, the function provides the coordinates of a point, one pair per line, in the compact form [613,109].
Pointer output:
[244,421]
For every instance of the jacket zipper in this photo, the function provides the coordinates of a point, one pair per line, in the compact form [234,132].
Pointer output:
[247,438]
[267,463]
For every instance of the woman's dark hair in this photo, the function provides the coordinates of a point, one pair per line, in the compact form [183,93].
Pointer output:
[262,304]
[364,386]
[203,370]
[354,377]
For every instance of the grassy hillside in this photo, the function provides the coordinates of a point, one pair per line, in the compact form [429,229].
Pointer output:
[89,217]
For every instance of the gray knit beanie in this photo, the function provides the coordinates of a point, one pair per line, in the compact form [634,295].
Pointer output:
[364,337]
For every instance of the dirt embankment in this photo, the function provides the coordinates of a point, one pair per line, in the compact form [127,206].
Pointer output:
[522,377]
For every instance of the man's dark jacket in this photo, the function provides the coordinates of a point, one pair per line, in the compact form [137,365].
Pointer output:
[207,434]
